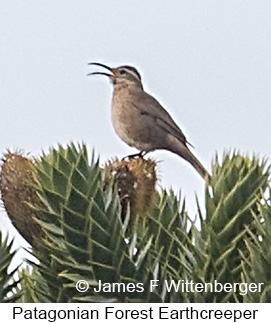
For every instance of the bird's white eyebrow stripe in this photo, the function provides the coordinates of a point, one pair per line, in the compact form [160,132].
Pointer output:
[132,71]
[135,74]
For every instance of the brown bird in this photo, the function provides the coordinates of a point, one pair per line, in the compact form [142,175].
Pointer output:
[141,121]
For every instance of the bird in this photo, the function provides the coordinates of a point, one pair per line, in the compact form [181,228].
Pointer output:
[141,121]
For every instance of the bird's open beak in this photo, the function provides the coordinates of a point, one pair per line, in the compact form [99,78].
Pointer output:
[102,73]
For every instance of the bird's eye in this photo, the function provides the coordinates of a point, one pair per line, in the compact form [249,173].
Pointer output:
[122,72]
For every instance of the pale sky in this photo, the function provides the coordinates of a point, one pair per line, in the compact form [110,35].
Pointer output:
[207,62]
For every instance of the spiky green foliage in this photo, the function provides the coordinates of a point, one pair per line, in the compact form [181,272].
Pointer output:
[32,288]
[169,225]
[257,263]
[85,234]
[8,283]
[233,196]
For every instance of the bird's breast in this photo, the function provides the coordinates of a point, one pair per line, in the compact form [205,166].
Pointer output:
[127,123]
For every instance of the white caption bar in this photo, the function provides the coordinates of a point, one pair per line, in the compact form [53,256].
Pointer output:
[139,312]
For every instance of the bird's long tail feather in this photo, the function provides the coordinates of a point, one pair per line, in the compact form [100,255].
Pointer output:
[183,151]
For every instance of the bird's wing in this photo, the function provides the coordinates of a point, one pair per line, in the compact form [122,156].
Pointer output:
[148,105]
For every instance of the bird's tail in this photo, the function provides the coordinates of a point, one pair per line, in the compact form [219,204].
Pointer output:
[183,151]
[197,165]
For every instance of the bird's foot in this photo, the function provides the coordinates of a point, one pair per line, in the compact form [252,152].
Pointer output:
[138,155]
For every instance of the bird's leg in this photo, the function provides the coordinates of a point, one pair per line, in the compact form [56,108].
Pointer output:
[138,155]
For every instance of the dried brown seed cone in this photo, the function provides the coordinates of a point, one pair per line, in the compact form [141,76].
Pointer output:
[135,179]
[16,184]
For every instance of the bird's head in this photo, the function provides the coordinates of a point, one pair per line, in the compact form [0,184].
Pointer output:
[122,75]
